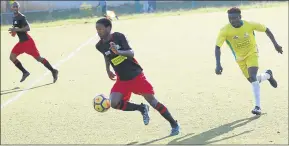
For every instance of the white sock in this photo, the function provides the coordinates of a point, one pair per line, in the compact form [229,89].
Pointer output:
[256,90]
[263,77]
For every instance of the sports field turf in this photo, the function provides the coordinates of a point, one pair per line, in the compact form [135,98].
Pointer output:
[177,54]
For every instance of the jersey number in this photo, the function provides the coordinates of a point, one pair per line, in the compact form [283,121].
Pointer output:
[117,60]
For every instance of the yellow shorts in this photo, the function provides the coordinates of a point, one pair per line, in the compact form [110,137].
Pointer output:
[249,61]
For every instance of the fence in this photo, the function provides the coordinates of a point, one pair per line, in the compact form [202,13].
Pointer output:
[45,11]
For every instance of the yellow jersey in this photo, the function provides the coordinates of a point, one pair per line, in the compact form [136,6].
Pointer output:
[241,40]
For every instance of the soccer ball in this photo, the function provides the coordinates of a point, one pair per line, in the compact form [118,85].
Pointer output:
[101,103]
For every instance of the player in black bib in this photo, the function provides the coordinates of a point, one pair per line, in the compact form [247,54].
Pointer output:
[26,44]
[129,75]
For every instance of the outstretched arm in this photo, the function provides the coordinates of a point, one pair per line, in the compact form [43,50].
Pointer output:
[218,55]
[107,63]
[273,40]
[271,36]
[219,68]
[262,28]
[110,74]
[220,40]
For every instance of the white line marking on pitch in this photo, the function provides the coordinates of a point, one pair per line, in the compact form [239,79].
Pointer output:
[10,100]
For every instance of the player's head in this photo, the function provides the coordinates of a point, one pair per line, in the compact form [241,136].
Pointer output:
[234,15]
[103,27]
[15,7]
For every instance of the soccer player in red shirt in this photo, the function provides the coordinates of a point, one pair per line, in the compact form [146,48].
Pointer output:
[26,44]
[129,75]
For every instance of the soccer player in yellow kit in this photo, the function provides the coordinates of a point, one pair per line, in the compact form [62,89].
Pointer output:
[240,37]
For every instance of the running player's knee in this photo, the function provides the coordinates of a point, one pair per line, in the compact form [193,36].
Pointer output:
[12,57]
[39,59]
[115,99]
[151,99]
[114,103]
[154,102]
[249,79]
[252,79]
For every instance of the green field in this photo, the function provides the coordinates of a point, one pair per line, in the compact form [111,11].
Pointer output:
[177,54]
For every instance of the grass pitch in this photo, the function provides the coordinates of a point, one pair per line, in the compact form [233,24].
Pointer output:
[177,54]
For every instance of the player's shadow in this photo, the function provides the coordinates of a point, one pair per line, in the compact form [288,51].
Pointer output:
[19,90]
[205,137]
[10,89]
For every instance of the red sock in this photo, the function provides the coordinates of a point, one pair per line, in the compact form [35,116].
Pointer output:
[165,113]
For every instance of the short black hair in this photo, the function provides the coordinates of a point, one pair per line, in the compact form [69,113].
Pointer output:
[104,21]
[16,4]
[234,10]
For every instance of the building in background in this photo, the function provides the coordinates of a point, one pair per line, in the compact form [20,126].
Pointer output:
[52,10]
[33,6]
[149,6]
[102,4]
[145,6]
[152,6]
